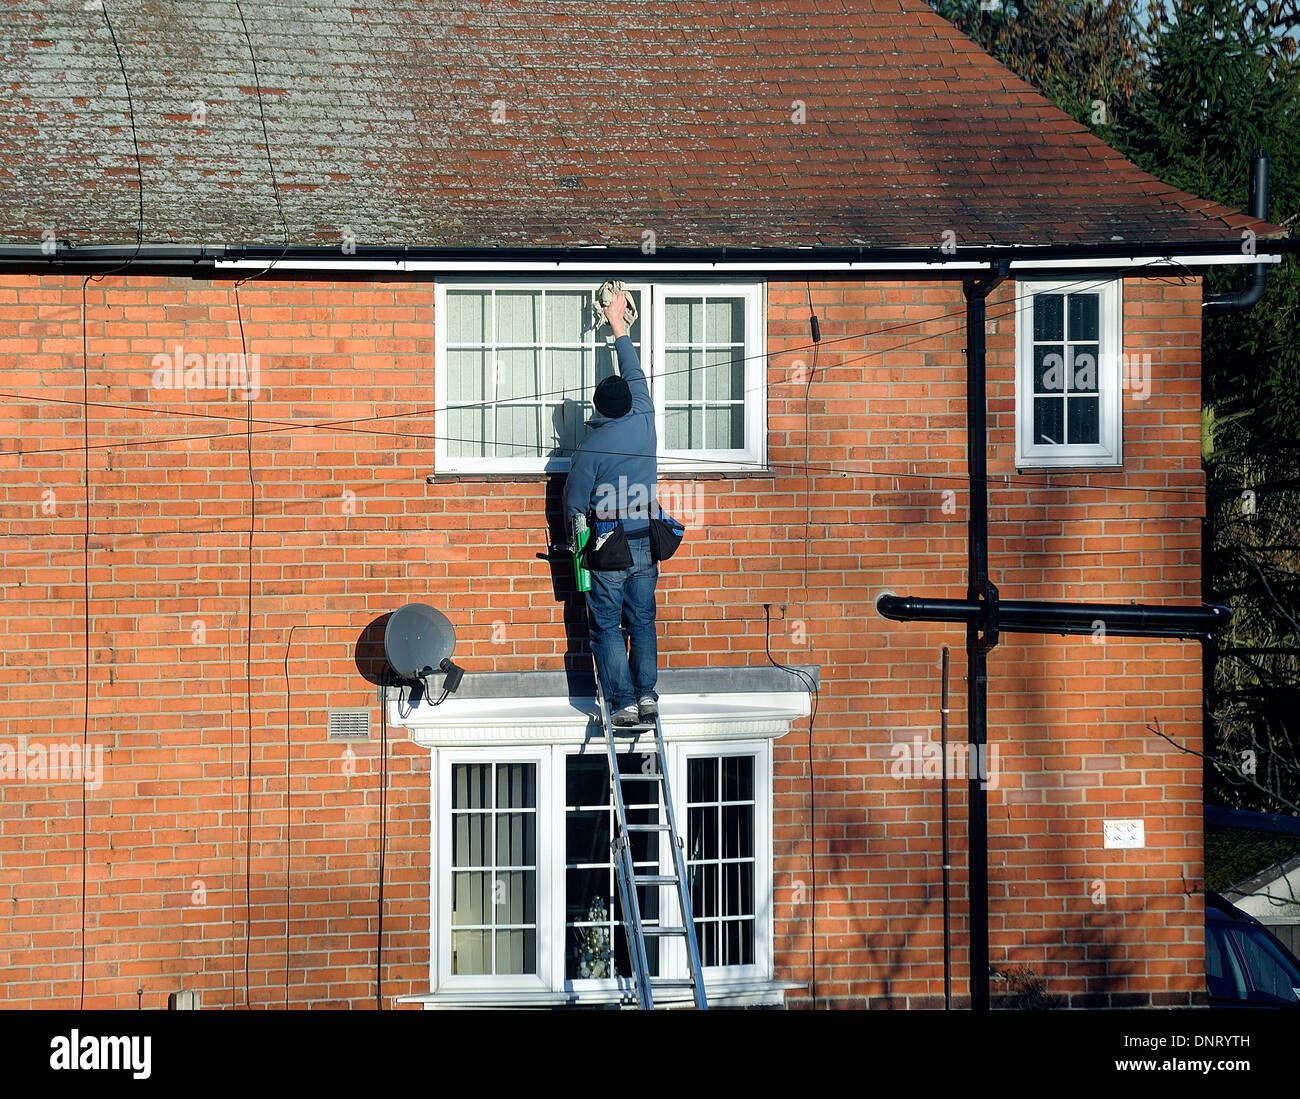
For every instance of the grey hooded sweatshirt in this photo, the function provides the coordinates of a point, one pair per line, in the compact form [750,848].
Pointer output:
[614,470]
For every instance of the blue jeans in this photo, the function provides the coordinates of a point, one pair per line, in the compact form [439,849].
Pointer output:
[613,595]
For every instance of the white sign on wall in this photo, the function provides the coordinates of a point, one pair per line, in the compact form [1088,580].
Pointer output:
[1123,833]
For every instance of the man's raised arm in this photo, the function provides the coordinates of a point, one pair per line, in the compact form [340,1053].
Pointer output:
[628,364]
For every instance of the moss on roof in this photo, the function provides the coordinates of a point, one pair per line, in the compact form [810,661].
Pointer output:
[1234,854]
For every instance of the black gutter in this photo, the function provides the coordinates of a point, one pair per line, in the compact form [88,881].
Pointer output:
[1031,616]
[1219,304]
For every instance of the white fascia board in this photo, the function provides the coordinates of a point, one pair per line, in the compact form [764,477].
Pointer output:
[553,720]
[1126,262]
[717,267]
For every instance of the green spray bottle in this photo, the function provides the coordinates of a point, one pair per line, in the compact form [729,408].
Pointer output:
[580,535]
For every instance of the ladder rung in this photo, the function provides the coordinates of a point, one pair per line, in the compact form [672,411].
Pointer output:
[648,828]
[638,776]
[663,930]
[671,982]
[656,879]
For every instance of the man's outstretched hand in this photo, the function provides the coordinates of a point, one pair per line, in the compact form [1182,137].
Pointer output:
[614,313]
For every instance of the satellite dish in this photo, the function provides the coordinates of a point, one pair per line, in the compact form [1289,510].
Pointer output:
[418,641]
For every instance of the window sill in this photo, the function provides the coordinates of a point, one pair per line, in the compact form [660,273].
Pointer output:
[753,993]
[665,473]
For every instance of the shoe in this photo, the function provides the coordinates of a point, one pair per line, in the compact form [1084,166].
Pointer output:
[648,710]
[627,717]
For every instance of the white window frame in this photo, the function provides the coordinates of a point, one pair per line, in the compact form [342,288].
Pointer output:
[751,458]
[1108,451]
[552,856]
[440,880]
[764,885]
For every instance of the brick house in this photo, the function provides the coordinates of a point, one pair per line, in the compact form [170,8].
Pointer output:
[215,491]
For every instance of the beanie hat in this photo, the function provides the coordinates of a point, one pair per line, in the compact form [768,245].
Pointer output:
[612,397]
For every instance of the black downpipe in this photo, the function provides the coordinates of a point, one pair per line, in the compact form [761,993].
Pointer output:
[1218,304]
[978,642]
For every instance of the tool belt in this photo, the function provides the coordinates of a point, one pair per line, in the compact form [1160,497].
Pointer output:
[607,548]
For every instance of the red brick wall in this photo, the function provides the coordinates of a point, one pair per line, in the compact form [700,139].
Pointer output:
[172,900]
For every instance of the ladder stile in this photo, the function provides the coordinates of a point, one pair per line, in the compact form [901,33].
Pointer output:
[628,879]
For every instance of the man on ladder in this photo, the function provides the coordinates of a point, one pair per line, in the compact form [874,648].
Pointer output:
[614,473]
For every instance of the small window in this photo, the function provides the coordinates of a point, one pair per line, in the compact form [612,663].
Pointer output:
[721,857]
[516,365]
[1068,374]
[494,868]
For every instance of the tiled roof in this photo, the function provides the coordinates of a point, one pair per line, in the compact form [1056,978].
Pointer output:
[528,123]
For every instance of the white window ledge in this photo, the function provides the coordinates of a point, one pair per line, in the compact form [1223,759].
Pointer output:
[759,993]
[517,720]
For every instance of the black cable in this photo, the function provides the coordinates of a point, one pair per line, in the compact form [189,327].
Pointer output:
[383,839]
[814,691]
[266,142]
[807,437]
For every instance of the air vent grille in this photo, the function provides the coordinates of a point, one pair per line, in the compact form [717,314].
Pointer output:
[349,725]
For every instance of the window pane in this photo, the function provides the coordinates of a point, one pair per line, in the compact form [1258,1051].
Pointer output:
[737,831]
[516,951]
[467,316]
[519,316]
[518,373]
[516,838]
[701,779]
[1084,313]
[471,897]
[471,952]
[1049,317]
[564,375]
[1084,424]
[1049,420]
[519,431]
[738,942]
[566,314]
[586,780]
[684,428]
[1084,376]
[724,428]
[1049,368]
[684,320]
[738,778]
[469,785]
[725,320]
[724,372]
[467,373]
[466,430]
[469,839]
[514,897]
[682,379]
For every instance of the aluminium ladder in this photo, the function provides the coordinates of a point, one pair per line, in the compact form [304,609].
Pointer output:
[628,879]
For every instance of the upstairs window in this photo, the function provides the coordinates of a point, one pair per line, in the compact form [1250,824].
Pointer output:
[516,364]
[1068,373]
